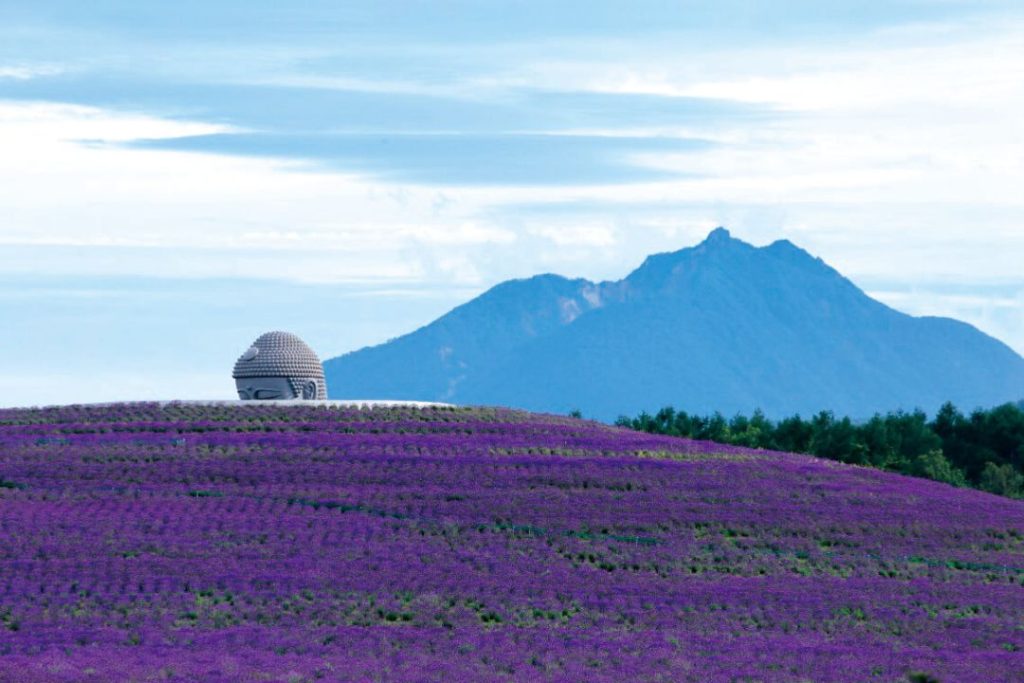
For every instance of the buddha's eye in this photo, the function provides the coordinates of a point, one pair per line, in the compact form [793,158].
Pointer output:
[265,394]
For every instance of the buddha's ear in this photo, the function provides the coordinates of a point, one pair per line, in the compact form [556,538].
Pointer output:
[309,390]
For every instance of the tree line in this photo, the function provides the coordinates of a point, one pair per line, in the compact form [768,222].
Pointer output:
[983,450]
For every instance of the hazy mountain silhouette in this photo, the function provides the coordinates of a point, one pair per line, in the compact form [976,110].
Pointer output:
[721,326]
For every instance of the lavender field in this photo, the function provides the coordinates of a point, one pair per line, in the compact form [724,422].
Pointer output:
[270,543]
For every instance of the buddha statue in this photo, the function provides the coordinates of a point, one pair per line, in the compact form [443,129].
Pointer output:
[281,366]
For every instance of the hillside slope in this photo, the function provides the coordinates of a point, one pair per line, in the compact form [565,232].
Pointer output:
[249,542]
[721,326]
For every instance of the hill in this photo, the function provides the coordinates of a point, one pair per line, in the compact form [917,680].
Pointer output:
[249,542]
[723,326]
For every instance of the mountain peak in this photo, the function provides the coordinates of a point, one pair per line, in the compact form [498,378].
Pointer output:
[718,236]
[664,271]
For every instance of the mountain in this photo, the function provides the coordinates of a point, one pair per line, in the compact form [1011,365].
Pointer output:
[720,326]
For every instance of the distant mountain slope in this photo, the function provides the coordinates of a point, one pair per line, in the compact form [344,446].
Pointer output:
[436,359]
[721,326]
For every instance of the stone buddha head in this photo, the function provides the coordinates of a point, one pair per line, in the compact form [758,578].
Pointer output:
[279,365]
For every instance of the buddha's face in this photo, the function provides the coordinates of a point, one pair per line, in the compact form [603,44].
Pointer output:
[264,388]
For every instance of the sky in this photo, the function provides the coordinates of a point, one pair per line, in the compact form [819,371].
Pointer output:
[176,178]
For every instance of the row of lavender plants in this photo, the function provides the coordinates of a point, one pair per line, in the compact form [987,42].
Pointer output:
[145,542]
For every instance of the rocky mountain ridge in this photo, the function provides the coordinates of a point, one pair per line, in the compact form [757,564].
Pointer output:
[720,326]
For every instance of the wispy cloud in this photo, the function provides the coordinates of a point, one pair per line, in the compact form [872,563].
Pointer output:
[458,158]
[23,72]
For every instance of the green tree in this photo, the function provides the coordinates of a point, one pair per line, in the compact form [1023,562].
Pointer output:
[1002,480]
[758,432]
[835,439]
[713,428]
[684,423]
[664,421]
[911,436]
[878,443]
[794,435]
[934,465]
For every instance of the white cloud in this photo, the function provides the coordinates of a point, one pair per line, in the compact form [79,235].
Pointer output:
[965,75]
[59,192]
[23,72]
[578,233]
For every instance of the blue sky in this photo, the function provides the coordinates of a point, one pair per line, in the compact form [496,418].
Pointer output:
[177,178]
